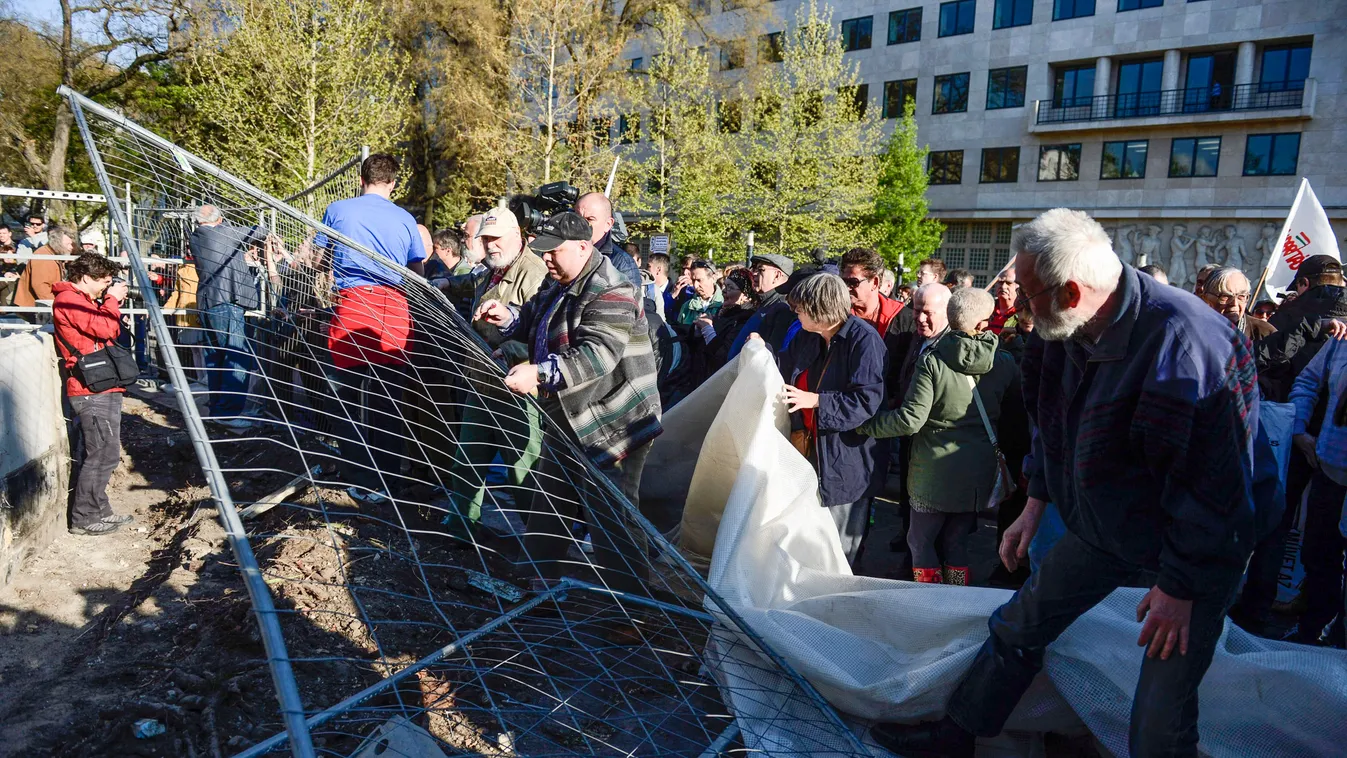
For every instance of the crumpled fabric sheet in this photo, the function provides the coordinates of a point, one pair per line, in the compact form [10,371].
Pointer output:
[881,649]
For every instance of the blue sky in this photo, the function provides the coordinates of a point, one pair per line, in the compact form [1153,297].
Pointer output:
[45,10]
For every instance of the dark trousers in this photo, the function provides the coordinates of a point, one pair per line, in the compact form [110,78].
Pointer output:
[853,522]
[1322,554]
[564,499]
[933,534]
[370,425]
[1073,578]
[99,452]
[227,359]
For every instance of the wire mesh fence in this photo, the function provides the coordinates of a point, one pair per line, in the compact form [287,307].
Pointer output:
[428,555]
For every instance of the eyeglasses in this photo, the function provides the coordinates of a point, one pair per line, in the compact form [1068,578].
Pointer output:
[1022,300]
[1224,299]
[34,224]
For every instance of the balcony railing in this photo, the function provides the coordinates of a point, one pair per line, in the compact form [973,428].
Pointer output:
[1173,102]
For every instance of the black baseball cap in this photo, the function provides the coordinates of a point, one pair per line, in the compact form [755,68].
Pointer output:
[1316,266]
[566,226]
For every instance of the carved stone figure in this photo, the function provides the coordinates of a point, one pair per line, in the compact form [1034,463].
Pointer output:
[1266,245]
[1112,232]
[1148,244]
[1179,246]
[1231,248]
[1206,250]
[1123,243]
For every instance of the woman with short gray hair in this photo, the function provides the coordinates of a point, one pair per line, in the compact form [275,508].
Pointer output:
[834,371]
[956,394]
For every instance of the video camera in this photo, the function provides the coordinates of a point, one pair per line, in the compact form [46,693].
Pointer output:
[532,210]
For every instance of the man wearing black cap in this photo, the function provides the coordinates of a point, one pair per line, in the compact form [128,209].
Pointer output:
[592,366]
[774,317]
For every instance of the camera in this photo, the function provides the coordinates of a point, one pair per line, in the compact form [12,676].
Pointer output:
[532,210]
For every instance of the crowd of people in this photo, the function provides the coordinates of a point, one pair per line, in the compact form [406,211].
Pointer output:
[1109,423]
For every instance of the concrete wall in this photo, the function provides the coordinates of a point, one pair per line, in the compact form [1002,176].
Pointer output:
[34,449]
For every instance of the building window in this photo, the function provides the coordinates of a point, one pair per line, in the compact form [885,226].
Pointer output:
[951,93]
[1132,5]
[1000,165]
[1008,13]
[1073,87]
[957,17]
[769,47]
[1271,154]
[905,26]
[856,33]
[946,166]
[896,95]
[1124,160]
[860,95]
[1005,87]
[1285,67]
[637,64]
[732,55]
[629,128]
[1194,156]
[1064,9]
[1059,163]
[730,116]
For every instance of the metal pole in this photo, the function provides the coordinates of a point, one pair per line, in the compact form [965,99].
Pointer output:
[292,708]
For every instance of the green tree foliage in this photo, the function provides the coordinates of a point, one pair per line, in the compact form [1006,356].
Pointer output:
[810,156]
[681,177]
[898,223]
[290,88]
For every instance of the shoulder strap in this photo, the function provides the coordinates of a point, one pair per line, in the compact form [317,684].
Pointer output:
[982,410]
[56,329]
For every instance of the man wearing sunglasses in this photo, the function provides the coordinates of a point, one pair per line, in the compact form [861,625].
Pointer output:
[35,234]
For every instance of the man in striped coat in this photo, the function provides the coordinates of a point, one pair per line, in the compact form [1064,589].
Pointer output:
[592,366]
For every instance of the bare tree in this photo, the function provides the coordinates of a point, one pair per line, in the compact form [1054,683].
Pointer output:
[131,34]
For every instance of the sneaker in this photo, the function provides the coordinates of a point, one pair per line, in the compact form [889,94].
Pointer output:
[118,520]
[234,423]
[96,529]
[368,497]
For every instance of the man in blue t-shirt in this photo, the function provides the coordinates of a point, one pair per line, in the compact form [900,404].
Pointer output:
[372,220]
[371,325]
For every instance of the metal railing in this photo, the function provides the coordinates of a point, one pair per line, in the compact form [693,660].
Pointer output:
[1174,102]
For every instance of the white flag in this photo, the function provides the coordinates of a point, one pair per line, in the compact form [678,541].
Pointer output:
[1306,233]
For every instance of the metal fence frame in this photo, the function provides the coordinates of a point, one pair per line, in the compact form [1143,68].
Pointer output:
[297,725]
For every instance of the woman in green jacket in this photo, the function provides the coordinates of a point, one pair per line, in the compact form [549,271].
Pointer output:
[953,467]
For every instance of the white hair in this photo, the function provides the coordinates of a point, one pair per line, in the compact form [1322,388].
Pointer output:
[206,214]
[968,307]
[1068,246]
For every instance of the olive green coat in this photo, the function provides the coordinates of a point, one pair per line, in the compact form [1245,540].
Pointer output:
[953,468]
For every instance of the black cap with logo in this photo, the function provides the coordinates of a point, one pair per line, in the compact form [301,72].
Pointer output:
[562,227]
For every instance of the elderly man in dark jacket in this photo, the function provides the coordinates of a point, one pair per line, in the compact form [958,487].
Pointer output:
[834,371]
[226,291]
[1146,405]
[592,366]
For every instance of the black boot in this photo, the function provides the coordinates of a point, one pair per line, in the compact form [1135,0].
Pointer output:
[929,739]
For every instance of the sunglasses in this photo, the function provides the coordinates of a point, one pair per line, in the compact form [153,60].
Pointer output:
[852,282]
[32,224]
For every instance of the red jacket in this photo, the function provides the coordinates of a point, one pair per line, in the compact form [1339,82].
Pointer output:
[888,308]
[86,325]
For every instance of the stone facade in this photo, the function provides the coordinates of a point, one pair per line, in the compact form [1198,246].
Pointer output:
[1143,211]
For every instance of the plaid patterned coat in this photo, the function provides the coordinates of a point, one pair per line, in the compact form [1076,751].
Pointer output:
[598,333]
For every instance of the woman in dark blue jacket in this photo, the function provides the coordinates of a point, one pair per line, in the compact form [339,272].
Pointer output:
[834,372]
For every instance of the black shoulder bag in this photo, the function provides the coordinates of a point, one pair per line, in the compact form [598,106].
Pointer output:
[108,367]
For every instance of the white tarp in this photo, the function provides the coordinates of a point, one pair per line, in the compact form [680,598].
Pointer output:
[884,649]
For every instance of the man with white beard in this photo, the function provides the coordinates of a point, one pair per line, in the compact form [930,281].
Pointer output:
[1145,402]
[494,424]
[513,275]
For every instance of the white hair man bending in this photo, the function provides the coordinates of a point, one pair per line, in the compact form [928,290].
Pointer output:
[1146,405]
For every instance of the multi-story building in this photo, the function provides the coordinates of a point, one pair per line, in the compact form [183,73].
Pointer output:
[1184,127]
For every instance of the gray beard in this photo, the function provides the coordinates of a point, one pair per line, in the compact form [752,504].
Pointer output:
[500,263]
[1058,325]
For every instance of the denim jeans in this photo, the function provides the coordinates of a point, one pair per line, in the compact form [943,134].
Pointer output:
[1073,578]
[1050,529]
[1322,554]
[371,425]
[100,450]
[228,359]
